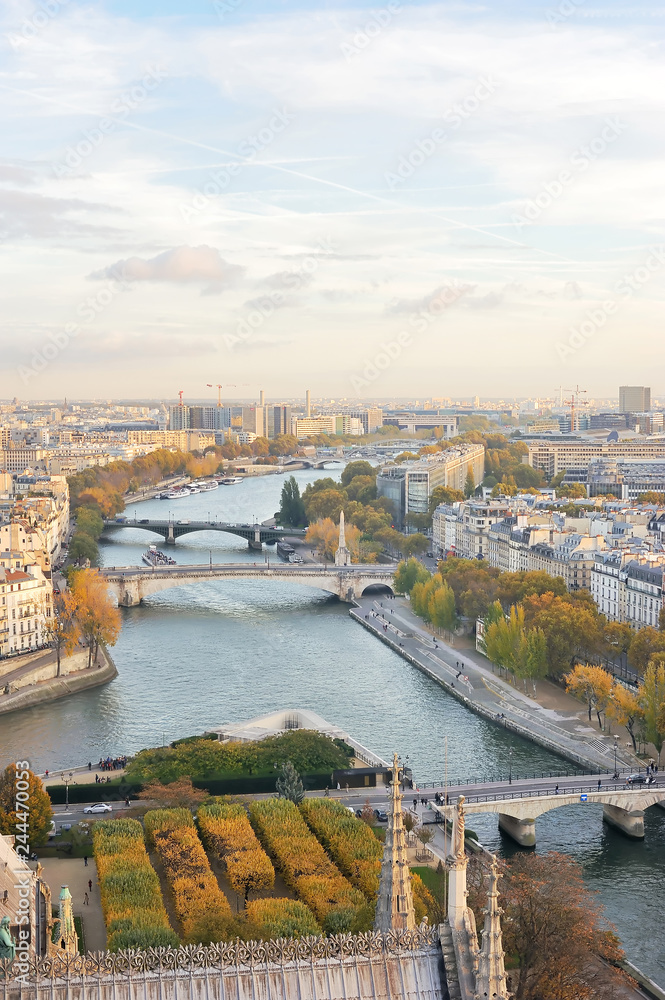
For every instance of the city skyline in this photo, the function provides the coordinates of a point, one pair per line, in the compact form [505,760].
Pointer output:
[241,193]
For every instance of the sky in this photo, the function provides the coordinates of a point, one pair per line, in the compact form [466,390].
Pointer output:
[408,199]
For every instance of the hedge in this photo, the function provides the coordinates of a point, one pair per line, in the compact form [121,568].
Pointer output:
[304,865]
[227,833]
[277,918]
[131,899]
[196,894]
[349,841]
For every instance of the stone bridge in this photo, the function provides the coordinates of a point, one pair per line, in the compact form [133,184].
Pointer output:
[131,584]
[254,534]
[623,806]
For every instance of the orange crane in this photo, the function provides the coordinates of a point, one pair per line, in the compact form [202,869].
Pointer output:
[219,389]
[573,403]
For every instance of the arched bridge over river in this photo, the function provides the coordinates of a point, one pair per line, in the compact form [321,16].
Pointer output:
[519,803]
[132,584]
[255,534]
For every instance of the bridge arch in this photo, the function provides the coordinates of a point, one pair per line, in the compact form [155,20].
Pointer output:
[380,589]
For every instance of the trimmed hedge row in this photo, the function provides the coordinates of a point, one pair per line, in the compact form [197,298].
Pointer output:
[226,831]
[349,841]
[196,895]
[131,899]
[304,864]
[278,918]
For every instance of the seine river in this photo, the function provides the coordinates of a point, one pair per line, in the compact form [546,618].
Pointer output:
[207,654]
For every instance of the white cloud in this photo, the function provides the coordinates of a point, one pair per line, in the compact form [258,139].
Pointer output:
[182,265]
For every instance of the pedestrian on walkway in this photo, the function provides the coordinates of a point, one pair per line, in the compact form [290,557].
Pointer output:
[599,784]
[86,901]
[90,765]
[85,860]
[556,790]
[90,884]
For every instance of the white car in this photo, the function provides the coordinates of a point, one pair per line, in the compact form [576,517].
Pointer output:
[99,807]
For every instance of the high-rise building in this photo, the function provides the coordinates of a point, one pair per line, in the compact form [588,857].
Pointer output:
[202,417]
[254,420]
[634,399]
[308,404]
[279,420]
[179,418]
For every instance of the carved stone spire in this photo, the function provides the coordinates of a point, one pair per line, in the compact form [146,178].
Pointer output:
[67,936]
[457,863]
[394,907]
[491,978]
[342,556]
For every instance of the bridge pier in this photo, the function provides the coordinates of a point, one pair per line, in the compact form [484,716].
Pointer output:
[629,823]
[170,537]
[255,543]
[522,831]
[130,594]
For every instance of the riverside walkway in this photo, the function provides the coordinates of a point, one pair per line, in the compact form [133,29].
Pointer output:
[474,684]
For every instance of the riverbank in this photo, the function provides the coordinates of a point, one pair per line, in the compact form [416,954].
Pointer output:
[30,680]
[559,729]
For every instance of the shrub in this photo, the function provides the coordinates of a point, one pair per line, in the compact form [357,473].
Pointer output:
[227,833]
[303,863]
[276,918]
[129,888]
[192,883]
[349,841]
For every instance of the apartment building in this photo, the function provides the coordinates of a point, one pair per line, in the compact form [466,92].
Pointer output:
[627,585]
[26,602]
[182,440]
[409,486]
[462,529]
[554,457]
[634,398]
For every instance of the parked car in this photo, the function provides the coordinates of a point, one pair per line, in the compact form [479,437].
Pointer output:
[381,815]
[99,807]
[351,810]
[52,829]
[636,779]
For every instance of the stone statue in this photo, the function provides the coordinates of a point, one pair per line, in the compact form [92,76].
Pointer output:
[459,839]
[7,945]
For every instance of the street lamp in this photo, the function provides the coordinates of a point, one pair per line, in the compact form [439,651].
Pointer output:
[616,742]
[510,766]
[66,782]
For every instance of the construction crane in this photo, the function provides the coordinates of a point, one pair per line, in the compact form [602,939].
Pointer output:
[574,403]
[181,393]
[219,388]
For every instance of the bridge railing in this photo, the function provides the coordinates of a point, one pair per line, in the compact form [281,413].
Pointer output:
[545,793]
[526,776]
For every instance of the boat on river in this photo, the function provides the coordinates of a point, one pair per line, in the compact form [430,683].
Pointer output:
[205,487]
[155,557]
[230,480]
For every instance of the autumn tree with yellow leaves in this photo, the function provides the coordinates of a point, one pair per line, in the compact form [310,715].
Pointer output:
[593,685]
[98,618]
[63,629]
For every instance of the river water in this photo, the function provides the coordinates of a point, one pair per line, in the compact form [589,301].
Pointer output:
[201,655]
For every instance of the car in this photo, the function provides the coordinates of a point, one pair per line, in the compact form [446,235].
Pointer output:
[636,779]
[144,520]
[183,522]
[99,807]
[351,810]
[52,829]
[381,815]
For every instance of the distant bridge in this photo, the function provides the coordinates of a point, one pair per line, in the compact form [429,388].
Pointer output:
[254,534]
[519,803]
[132,584]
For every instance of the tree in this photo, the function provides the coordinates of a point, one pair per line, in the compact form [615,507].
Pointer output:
[83,547]
[570,629]
[503,490]
[469,483]
[325,503]
[414,545]
[618,637]
[323,535]
[643,647]
[367,813]
[354,469]
[442,608]
[553,927]
[443,494]
[89,520]
[651,496]
[98,617]
[362,489]
[624,708]
[179,794]
[289,784]
[408,574]
[661,619]
[573,491]
[25,808]
[425,836]
[593,685]
[652,700]
[63,628]
[291,507]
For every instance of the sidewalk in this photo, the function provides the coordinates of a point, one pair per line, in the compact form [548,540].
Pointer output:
[556,720]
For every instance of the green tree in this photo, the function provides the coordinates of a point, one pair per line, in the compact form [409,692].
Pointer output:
[291,507]
[89,520]
[25,808]
[325,503]
[573,491]
[442,608]
[443,494]
[469,484]
[354,469]
[414,545]
[644,645]
[652,700]
[408,573]
[362,489]
[289,784]
[82,546]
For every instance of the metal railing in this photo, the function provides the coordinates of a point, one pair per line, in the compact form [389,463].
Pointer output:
[540,793]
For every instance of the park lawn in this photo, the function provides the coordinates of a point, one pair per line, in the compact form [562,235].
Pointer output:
[434,880]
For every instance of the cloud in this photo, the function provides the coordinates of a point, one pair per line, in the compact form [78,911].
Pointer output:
[182,265]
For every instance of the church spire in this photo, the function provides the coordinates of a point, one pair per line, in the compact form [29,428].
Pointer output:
[491,978]
[394,907]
